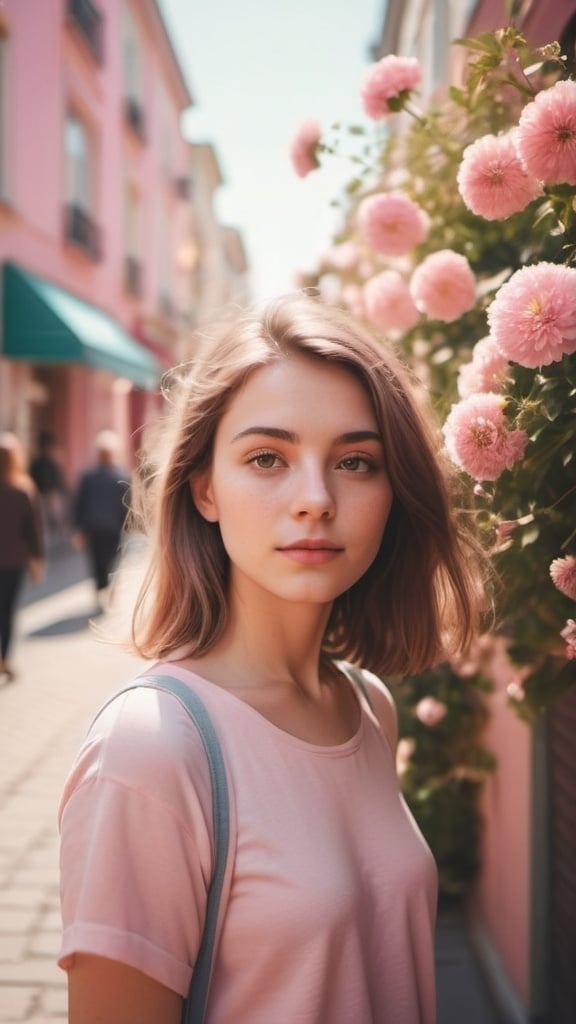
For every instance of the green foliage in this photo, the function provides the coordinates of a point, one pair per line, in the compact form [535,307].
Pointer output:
[445,770]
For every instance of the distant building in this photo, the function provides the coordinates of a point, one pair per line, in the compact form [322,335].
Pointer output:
[97,221]
[219,264]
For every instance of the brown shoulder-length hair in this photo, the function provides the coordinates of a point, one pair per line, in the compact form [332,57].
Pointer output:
[422,596]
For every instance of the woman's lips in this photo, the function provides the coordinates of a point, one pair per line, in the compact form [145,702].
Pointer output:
[311,552]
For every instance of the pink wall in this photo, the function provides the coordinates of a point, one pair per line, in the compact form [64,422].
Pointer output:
[501,902]
[544,20]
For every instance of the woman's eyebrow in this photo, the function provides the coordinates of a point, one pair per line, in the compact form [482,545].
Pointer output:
[276,432]
[350,437]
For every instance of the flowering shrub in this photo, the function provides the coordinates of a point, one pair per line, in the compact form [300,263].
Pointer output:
[469,209]
[442,766]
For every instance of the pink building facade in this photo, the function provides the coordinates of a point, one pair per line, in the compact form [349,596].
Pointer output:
[95,219]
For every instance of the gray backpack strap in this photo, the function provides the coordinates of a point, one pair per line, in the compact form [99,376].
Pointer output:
[195,1005]
[355,674]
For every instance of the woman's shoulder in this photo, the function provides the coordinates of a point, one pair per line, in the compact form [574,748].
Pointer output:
[143,739]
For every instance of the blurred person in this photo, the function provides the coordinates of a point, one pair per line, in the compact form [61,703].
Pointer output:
[21,539]
[47,474]
[99,510]
[302,525]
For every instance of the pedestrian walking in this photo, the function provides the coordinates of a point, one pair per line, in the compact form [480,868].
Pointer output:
[47,474]
[100,508]
[21,539]
[302,527]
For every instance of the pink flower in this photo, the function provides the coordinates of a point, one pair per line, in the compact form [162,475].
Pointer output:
[533,316]
[569,635]
[388,302]
[563,573]
[404,751]
[486,372]
[343,257]
[443,285]
[353,297]
[304,147]
[547,134]
[391,79]
[478,440]
[492,180]
[430,711]
[391,223]
[506,527]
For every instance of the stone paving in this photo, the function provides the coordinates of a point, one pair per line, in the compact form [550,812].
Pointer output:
[64,673]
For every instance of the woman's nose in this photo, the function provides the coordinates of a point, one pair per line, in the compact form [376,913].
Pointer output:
[313,496]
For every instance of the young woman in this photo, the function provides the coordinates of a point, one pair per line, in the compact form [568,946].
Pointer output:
[21,540]
[301,523]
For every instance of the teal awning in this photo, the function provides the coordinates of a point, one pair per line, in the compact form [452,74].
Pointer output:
[45,324]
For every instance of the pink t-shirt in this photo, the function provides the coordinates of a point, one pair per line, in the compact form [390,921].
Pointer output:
[331,912]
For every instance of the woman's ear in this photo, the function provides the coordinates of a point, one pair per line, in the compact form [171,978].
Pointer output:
[203,496]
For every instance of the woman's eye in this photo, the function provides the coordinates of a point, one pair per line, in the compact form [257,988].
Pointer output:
[265,460]
[356,464]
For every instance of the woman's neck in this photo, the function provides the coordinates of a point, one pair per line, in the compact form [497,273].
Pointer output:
[268,642]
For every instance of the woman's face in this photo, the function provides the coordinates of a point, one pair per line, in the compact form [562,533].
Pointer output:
[297,482]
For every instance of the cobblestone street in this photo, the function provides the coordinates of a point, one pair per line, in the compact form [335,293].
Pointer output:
[63,674]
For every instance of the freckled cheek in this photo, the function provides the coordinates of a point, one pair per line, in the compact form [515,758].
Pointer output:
[243,505]
[374,517]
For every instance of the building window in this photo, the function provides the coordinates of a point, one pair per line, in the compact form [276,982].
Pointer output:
[79,226]
[165,263]
[133,281]
[132,72]
[89,22]
[3,112]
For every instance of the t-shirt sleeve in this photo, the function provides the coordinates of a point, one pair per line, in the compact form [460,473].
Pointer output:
[136,840]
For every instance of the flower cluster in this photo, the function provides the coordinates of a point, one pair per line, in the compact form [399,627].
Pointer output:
[388,303]
[547,135]
[388,84]
[391,224]
[533,317]
[563,573]
[569,635]
[492,179]
[478,439]
[487,370]
[443,285]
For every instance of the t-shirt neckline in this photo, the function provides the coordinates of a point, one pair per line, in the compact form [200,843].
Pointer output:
[344,749]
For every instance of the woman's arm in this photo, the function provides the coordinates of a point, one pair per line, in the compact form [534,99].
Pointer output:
[102,991]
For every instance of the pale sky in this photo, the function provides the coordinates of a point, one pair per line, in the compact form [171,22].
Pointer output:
[257,69]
